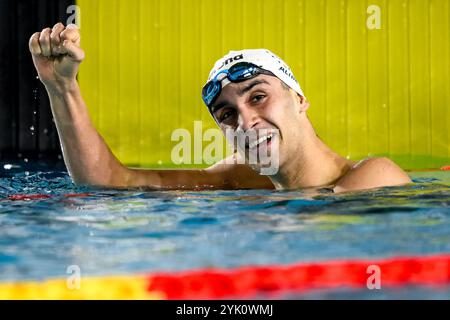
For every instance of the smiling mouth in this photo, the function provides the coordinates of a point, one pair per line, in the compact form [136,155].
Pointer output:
[254,144]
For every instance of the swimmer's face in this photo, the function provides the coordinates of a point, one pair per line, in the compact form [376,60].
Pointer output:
[262,103]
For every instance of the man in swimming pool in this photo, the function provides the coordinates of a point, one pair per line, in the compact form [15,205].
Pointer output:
[246,90]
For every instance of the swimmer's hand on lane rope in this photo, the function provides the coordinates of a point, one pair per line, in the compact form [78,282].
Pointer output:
[57,55]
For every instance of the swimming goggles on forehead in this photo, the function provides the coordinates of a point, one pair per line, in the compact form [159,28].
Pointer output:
[237,73]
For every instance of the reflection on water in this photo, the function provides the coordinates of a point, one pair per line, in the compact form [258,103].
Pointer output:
[111,231]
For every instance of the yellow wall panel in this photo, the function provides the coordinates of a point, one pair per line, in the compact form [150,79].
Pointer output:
[377,86]
[357,78]
[107,114]
[129,39]
[91,70]
[150,105]
[336,77]
[315,66]
[419,53]
[399,74]
[440,77]
[372,91]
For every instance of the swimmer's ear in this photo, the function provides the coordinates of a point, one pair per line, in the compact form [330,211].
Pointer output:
[303,103]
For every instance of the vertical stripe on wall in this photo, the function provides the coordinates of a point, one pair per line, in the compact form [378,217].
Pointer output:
[373,92]
[378,85]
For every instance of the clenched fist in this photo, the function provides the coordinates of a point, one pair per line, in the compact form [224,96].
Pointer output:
[57,55]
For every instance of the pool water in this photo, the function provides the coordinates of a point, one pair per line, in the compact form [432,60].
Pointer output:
[109,232]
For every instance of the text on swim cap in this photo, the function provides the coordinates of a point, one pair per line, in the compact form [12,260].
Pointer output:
[288,73]
[230,60]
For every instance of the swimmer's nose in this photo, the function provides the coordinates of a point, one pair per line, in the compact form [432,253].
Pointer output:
[248,118]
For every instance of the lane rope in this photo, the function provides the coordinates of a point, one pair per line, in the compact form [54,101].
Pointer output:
[244,282]
[29,197]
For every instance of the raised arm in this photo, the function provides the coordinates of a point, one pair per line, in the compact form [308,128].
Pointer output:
[57,56]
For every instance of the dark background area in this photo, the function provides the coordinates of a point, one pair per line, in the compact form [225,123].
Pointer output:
[27,130]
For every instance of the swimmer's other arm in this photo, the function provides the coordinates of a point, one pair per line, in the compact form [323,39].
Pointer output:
[57,55]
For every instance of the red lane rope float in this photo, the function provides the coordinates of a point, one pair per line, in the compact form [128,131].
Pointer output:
[246,282]
[29,197]
[445,168]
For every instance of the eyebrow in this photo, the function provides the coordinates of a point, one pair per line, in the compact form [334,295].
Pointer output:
[240,93]
[251,85]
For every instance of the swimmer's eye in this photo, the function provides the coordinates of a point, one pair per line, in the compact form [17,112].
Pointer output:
[258,98]
[226,115]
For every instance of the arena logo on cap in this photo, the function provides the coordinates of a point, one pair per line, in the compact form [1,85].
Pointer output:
[230,60]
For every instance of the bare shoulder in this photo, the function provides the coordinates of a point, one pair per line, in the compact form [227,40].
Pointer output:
[239,176]
[372,173]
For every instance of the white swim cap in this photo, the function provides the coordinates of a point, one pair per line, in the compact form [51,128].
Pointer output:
[264,59]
